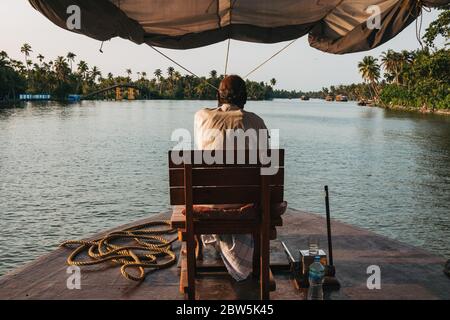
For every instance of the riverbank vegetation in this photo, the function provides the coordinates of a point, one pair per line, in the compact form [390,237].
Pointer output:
[417,80]
[66,75]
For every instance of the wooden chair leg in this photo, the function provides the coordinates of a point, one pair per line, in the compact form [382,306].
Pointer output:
[265,268]
[190,256]
[256,254]
[265,239]
[190,233]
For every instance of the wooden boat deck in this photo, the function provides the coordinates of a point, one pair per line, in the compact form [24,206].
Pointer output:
[406,272]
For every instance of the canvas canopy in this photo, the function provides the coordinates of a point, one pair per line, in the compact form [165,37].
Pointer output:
[335,26]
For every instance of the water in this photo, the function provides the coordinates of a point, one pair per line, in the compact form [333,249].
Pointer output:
[68,171]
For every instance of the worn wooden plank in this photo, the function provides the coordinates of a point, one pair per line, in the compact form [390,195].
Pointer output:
[407,272]
[178,221]
[242,158]
[225,195]
[46,278]
[206,229]
[233,176]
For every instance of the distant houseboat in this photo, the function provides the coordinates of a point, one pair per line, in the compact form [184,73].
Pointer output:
[304,98]
[34,97]
[368,103]
[362,103]
[329,98]
[73,98]
[341,98]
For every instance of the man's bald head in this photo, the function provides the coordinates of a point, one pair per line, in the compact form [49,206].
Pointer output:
[232,90]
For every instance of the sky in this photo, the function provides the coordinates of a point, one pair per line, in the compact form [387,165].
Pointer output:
[300,67]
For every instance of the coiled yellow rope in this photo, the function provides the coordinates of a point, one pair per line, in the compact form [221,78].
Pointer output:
[146,250]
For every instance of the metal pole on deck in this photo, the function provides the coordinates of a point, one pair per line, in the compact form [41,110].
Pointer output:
[330,245]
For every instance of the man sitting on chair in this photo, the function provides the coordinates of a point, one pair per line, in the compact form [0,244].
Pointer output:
[212,128]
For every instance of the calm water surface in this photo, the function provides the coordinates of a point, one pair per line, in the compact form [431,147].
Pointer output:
[70,171]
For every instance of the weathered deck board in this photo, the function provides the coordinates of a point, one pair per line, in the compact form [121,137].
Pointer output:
[407,272]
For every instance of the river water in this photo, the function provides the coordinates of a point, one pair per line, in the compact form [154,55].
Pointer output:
[68,171]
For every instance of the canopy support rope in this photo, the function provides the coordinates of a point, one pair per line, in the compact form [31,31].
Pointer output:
[182,67]
[232,3]
[419,22]
[227,57]
[270,58]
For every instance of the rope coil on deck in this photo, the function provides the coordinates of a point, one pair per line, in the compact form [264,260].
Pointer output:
[149,249]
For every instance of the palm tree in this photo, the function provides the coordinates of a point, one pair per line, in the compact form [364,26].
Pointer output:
[4,60]
[71,58]
[391,62]
[273,82]
[144,74]
[41,58]
[95,72]
[213,74]
[189,82]
[61,68]
[158,75]
[170,72]
[26,50]
[394,63]
[176,76]
[407,57]
[370,71]
[3,56]
[82,73]
[82,68]
[129,73]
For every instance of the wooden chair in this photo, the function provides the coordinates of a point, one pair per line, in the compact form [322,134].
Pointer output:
[205,184]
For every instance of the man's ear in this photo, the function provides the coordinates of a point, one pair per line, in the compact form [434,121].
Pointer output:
[219,100]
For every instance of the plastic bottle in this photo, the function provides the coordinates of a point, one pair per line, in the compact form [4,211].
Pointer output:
[316,277]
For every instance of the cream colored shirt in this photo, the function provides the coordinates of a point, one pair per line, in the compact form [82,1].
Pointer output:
[225,120]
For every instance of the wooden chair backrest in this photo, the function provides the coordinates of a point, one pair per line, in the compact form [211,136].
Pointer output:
[239,182]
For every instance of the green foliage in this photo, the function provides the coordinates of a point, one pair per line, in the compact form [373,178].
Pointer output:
[12,82]
[439,27]
[393,94]
[425,84]
[412,79]
[63,76]
[355,92]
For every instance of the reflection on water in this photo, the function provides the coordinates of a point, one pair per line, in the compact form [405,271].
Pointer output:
[67,171]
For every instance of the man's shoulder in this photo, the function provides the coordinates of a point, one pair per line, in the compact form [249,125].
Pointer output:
[253,115]
[254,118]
[204,112]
